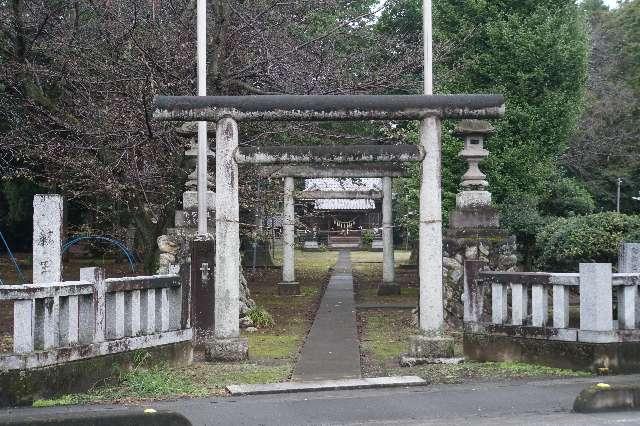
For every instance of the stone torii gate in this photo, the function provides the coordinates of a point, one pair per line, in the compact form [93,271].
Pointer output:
[226,111]
[341,159]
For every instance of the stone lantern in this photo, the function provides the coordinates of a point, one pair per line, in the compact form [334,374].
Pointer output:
[473,202]
[474,132]
[474,232]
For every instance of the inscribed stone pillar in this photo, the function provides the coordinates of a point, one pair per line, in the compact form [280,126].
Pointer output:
[288,285]
[227,344]
[389,285]
[47,238]
[596,298]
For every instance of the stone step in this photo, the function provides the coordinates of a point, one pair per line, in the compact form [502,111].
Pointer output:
[326,385]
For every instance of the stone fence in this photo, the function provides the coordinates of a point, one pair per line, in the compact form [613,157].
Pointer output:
[61,327]
[585,320]
[72,320]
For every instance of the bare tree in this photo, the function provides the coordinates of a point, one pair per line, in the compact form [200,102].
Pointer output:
[78,77]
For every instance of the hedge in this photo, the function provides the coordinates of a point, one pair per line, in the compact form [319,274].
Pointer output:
[566,242]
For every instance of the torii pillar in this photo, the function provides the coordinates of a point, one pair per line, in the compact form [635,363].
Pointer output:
[288,286]
[389,285]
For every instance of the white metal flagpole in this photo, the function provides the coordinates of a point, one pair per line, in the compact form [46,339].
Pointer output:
[428,47]
[202,125]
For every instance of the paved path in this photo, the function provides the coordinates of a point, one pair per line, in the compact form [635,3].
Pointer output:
[517,403]
[332,348]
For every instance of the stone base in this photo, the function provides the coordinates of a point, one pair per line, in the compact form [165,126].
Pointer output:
[407,361]
[480,217]
[388,289]
[431,347]
[311,246]
[377,245]
[616,357]
[227,350]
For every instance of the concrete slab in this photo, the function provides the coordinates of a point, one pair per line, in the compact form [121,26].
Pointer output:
[326,385]
[332,348]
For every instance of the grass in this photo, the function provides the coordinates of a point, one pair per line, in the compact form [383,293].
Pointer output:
[291,316]
[264,346]
[163,382]
[400,256]
[367,275]
[385,337]
[260,317]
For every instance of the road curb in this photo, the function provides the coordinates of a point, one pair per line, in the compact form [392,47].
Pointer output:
[326,385]
[603,397]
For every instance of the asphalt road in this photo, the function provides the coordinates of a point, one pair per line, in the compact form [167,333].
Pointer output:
[540,402]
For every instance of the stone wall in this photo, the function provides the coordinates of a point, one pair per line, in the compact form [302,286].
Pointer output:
[22,387]
[490,245]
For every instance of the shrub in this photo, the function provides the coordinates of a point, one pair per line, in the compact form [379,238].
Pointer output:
[566,242]
[522,217]
[367,237]
[261,317]
[567,197]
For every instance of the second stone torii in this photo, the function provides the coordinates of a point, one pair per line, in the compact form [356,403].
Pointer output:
[340,160]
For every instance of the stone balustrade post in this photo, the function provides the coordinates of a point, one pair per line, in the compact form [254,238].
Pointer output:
[498,303]
[69,327]
[86,318]
[560,306]
[519,303]
[162,309]
[132,313]
[148,311]
[473,291]
[539,305]
[23,338]
[95,276]
[628,302]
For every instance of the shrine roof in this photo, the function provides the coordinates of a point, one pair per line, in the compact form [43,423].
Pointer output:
[346,184]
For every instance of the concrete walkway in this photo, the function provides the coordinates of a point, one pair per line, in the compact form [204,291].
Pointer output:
[332,348]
